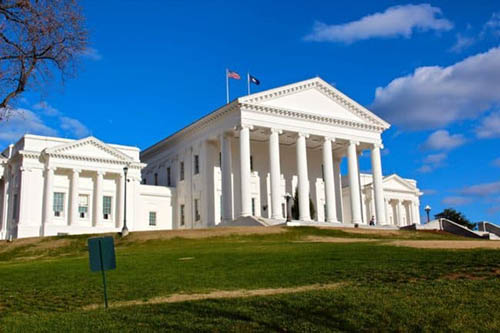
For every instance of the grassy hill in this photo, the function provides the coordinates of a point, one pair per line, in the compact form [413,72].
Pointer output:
[255,279]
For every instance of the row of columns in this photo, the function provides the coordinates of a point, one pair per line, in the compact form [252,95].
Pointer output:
[403,209]
[74,197]
[333,193]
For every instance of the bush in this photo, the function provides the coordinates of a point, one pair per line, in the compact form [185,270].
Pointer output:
[295,207]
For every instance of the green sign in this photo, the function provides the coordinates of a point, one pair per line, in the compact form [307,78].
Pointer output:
[102,254]
[102,258]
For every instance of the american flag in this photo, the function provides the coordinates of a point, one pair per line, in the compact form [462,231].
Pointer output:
[233,74]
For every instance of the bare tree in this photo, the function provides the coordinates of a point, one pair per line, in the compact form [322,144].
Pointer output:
[37,39]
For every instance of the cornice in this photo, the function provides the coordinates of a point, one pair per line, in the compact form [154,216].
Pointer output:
[133,165]
[30,154]
[195,126]
[312,117]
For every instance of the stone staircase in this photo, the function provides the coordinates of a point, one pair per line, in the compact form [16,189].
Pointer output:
[491,228]
[457,229]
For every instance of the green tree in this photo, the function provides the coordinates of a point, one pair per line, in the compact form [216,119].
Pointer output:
[455,216]
[295,207]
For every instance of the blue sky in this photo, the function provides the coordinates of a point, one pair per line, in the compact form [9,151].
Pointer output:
[432,69]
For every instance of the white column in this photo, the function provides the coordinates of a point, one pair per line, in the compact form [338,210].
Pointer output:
[48,195]
[303,178]
[364,218]
[338,188]
[5,202]
[23,212]
[378,189]
[399,209]
[402,212]
[352,163]
[275,173]
[73,198]
[386,203]
[416,213]
[98,198]
[226,175]
[331,208]
[246,199]
[120,190]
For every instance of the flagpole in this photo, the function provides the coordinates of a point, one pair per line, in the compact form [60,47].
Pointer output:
[248,82]
[227,87]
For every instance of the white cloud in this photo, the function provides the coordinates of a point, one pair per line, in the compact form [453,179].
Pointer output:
[456,200]
[425,169]
[23,122]
[74,126]
[91,53]
[485,189]
[432,162]
[393,22]
[435,158]
[46,108]
[491,29]
[489,126]
[429,191]
[462,43]
[442,140]
[436,96]
[493,25]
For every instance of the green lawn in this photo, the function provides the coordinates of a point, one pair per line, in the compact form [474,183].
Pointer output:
[386,287]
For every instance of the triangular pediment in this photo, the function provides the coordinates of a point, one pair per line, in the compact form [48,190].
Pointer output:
[91,148]
[396,183]
[316,97]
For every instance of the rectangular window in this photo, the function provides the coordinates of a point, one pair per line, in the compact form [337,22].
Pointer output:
[58,203]
[322,172]
[253,206]
[168,177]
[196,164]
[197,216]
[324,209]
[283,210]
[156,179]
[106,207]
[182,215]
[251,163]
[83,205]
[152,218]
[220,159]
[15,212]
[182,171]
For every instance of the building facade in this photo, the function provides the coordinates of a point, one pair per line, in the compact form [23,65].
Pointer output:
[244,158]
[51,186]
[241,160]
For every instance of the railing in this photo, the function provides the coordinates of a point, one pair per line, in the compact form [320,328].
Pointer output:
[489,227]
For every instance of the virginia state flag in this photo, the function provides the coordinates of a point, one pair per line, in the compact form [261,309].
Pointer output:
[253,79]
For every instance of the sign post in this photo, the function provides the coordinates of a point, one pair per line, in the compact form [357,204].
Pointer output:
[102,258]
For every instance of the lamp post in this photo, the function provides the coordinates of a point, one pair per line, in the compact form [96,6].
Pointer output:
[428,210]
[288,196]
[125,229]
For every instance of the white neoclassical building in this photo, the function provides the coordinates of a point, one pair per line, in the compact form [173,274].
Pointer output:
[243,158]
[239,161]
[51,186]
